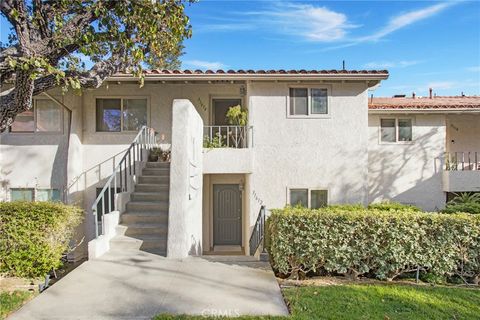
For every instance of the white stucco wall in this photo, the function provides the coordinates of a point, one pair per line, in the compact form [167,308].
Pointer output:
[411,172]
[186,182]
[463,133]
[33,160]
[329,153]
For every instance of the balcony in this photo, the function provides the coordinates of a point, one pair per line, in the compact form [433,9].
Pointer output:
[227,149]
[462,172]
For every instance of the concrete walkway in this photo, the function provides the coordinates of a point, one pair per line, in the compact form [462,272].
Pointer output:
[139,285]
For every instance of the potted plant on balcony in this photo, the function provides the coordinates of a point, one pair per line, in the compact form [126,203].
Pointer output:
[237,116]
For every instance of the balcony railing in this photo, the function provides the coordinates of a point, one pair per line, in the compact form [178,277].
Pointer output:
[462,161]
[227,137]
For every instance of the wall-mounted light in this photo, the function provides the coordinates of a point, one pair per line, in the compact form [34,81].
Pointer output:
[243,91]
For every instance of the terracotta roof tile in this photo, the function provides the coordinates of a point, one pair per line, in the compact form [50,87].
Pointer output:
[438,102]
[279,71]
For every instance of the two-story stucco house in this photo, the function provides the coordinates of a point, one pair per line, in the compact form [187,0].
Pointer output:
[312,138]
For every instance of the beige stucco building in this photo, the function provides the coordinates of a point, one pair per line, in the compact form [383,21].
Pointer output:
[312,138]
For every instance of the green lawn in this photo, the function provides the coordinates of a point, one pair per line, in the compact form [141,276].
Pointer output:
[10,302]
[376,302]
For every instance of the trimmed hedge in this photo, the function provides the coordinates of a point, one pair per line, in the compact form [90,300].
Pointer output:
[372,242]
[34,236]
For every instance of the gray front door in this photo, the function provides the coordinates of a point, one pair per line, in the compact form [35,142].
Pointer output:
[227,214]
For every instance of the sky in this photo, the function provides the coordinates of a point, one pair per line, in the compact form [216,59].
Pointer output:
[423,44]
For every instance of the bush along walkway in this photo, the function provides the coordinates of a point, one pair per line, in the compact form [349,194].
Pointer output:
[379,242]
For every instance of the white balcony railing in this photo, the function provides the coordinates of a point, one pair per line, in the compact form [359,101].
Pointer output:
[462,161]
[227,137]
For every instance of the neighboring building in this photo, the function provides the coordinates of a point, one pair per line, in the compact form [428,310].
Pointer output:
[313,137]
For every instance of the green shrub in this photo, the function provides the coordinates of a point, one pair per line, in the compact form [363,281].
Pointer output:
[375,242]
[473,208]
[390,205]
[464,202]
[34,236]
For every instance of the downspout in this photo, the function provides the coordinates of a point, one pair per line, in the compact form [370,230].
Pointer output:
[67,147]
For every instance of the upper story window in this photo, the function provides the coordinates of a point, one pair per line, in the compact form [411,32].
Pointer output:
[394,130]
[308,101]
[45,116]
[120,114]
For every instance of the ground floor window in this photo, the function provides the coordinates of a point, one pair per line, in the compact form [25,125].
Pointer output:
[308,198]
[21,194]
[48,195]
[29,194]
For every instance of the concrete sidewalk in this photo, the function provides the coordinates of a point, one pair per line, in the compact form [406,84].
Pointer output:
[139,285]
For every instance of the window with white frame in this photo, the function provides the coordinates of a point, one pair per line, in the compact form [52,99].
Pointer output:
[308,198]
[48,195]
[308,101]
[45,116]
[394,130]
[120,114]
[22,194]
[29,194]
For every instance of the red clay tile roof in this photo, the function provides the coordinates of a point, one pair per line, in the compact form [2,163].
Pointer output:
[424,103]
[280,71]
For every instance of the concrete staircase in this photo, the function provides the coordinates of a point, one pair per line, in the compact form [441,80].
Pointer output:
[144,224]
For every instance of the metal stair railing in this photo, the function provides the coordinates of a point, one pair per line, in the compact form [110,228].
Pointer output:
[144,140]
[258,233]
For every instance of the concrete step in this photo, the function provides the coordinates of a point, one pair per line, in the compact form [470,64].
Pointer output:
[140,242]
[149,187]
[156,172]
[132,217]
[160,229]
[147,206]
[154,180]
[150,196]
[157,165]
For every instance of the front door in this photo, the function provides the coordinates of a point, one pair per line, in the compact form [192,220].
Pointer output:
[227,214]
[220,109]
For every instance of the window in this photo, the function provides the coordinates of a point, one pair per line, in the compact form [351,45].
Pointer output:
[115,115]
[309,198]
[308,101]
[396,130]
[299,197]
[21,194]
[46,116]
[48,195]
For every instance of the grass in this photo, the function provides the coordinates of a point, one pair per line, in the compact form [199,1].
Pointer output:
[11,301]
[374,302]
